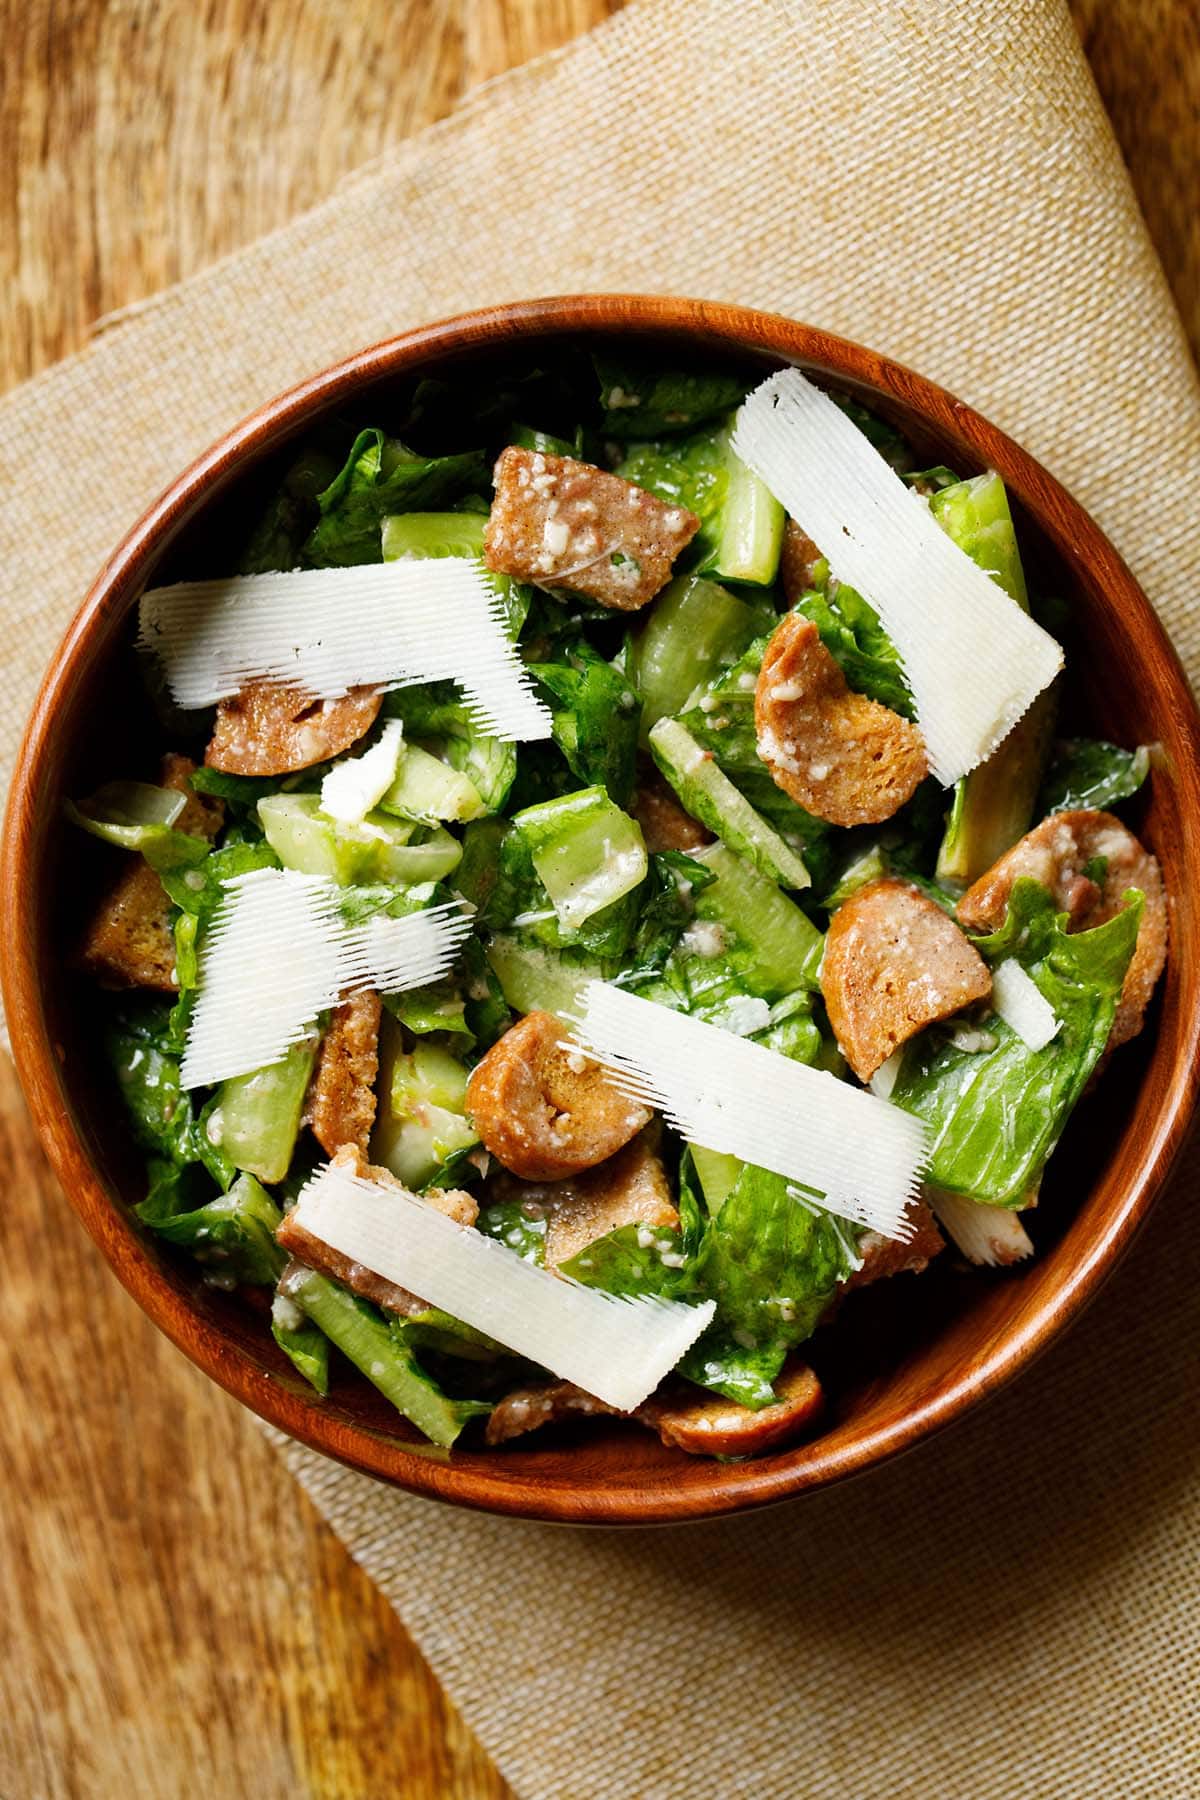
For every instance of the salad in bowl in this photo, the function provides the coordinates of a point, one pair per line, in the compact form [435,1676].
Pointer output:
[615,883]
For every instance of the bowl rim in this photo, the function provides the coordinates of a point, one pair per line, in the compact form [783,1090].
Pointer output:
[755,1484]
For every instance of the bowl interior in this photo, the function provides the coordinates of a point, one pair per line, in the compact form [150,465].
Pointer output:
[901,1357]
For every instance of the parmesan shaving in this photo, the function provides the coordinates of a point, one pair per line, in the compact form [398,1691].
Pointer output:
[615,1347]
[356,784]
[1019,1001]
[278,952]
[973,661]
[859,1154]
[325,631]
[990,1235]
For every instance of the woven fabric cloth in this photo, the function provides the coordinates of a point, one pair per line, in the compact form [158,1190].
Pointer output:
[1011,1611]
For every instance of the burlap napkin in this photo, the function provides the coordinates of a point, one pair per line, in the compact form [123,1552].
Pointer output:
[1011,1611]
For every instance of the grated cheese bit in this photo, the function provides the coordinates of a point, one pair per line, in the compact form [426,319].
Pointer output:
[1019,1001]
[974,662]
[992,1236]
[613,1346]
[279,952]
[860,1155]
[357,783]
[325,631]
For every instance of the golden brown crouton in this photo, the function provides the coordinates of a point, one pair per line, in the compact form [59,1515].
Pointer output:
[341,1097]
[840,756]
[630,1188]
[883,1256]
[316,1254]
[708,1425]
[1057,853]
[269,730]
[563,523]
[665,825]
[129,942]
[544,1111]
[542,1403]
[796,561]
[893,964]
[685,1418]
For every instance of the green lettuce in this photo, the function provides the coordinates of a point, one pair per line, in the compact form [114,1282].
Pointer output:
[995,1115]
[596,718]
[381,476]
[641,399]
[1086,772]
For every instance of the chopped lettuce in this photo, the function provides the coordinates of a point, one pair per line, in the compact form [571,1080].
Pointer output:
[1086,772]
[741,522]
[850,630]
[996,1114]
[289,516]
[771,1261]
[641,399]
[435,716]
[381,476]
[596,717]
[379,1349]
[136,816]
[233,1233]
[145,1058]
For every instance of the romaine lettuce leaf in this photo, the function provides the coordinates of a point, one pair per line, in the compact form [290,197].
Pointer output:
[144,1055]
[851,632]
[1086,772]
[641,399]
[596,718]
[995,1115]
[381,476]
[233,1233]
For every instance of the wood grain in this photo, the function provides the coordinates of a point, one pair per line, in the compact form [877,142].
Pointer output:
[176,1617]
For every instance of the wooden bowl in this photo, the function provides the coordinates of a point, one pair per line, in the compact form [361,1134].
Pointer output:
[903,1358]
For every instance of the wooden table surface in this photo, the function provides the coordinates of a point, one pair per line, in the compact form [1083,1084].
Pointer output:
[177,1620]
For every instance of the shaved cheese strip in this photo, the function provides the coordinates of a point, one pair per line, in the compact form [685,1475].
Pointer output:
[1022,1005]
[325,631]
[278,952]
[990,1235]
[886,1075]
[859,1154]
[973,660]
[615,1347]
[357,783]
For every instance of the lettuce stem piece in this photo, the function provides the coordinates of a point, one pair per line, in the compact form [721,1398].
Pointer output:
[693,629]
[993,805]
[711,797]
[380,1352]
[304,1343]
[586,851]
[255,1118]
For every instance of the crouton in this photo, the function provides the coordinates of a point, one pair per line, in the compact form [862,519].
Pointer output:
[894,962]
[707,1425]
[542,1403]
[882,1257]
[562,523]
[665,825]
[630,1188]
[546,1112]
[842,757]
[685,1418]
[267,729]
[797,560]
[316,1254]
[341,1097]
[129,941]
[1058,853]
